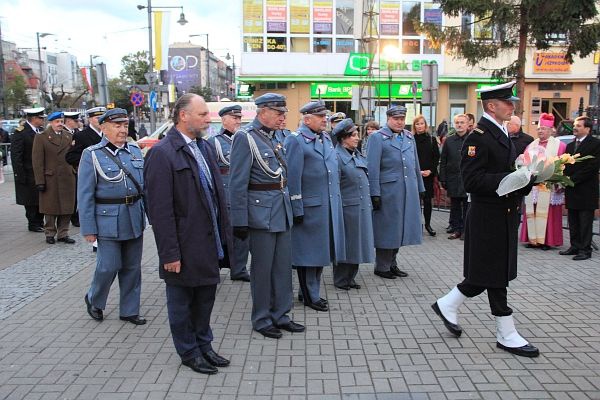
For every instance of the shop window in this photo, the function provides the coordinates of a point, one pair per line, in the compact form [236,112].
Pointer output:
[344,45]
[276,45]
[322,45]
[428,49]
[282,85]
[344,18]
[267,86]
[299,45]
[253,44]
[458,92]
[556,86]
[383,43]
[411,46]
[411,10]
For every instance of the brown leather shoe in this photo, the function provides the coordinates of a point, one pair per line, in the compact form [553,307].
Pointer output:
[455,235]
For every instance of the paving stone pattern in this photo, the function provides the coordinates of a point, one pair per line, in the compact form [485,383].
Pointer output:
[380,342]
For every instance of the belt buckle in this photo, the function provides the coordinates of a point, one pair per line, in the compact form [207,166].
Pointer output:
[129,200]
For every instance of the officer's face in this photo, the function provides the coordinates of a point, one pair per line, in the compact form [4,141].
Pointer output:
[38,122]
[502,109]
[94,122]
[351,142]
[71,123]
[271,118]
[396,123]
[116,132]
[231,123]
[57,124]
[317,123]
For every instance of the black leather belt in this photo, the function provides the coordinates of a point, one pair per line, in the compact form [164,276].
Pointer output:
[120,200]
[267,186]
[224,171]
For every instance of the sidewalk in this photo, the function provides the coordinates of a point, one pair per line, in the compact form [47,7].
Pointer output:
[381,342]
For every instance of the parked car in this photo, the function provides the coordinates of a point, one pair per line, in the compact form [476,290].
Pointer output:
[147,142]
[9,125]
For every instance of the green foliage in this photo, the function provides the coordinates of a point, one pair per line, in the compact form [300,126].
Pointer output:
[119,93]
[16,94]
[134,66]
[204,91]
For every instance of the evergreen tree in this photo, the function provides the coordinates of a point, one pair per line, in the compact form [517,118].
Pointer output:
[16,94]
[502,26]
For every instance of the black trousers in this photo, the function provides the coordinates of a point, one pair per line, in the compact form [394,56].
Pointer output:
[458,212]
[580,229]
[427,208]
[189,310]
[34,217]
[496,297]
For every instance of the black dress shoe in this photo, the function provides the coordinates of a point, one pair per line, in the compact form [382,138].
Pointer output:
[449,230]
[270,332]
[67,240]
[582,256]
[454,329]
[385,274]
[430,230]
[318,305]
[134,319]
[94,312]
[50,240]
[291,326]
[354,285]
[214,359]
[571,251]
[396,271]
[75,223]
[199,364]
[94,249]
[36,229]
[455,235]
[243,278]
[344,287]
[524,351]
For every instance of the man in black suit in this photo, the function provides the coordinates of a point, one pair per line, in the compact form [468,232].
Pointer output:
[519,138]
[21,148]
[582,199]
[81,141]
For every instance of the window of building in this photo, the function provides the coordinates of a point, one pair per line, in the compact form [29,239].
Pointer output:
[253,44]
[411,10]
[555,86]
[383,43]
[299,16]
[344,17]
[322,45]
[267,86]
[276,45]
[428,49]
[281,85]
[432,14]
[458,92]
[483,28]
[344,45]
[411,46]
[299,45]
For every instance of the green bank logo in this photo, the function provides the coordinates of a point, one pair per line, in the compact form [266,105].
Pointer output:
[358,64]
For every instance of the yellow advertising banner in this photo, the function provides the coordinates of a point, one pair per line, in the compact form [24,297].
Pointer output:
[299,16]
[253,16]
[550,63]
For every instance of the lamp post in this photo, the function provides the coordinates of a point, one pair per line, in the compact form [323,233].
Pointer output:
[207,60]
[150,76]
[92,58]
[234,90]
[41,80]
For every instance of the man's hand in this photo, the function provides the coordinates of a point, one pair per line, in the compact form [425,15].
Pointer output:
[174,266]
[240,232]
[298,220]
[527,189]
[376,201]
[40,188]
[90,238]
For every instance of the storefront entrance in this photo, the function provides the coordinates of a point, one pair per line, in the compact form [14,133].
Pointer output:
[558,107]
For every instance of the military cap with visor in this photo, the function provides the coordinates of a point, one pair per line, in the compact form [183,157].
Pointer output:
[114,115]
[236,111]
[314,108]
[273,101]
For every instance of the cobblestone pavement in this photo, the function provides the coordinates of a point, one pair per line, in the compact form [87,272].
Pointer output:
[380,342]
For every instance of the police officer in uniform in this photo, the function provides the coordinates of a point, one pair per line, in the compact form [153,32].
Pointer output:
[21,148]
[110,189]
[261,211]
[83,139]
[314,180]
[395,183]
[491,238]
[231,118]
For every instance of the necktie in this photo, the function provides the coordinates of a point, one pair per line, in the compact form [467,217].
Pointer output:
[577,144]
[206,182]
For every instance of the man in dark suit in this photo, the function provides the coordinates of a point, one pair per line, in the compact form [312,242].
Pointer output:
[490,255]
[519,138]
[582,199]
[188,211]
[21,148]
[81,141]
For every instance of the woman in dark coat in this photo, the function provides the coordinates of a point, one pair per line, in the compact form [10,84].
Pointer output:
[429,156]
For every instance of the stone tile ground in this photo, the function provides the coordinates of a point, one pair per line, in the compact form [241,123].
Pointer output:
[381,342]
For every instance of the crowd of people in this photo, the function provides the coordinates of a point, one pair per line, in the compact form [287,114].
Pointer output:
[303,200]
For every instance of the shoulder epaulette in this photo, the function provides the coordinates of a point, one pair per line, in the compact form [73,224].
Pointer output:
[20,128]
[479,131]
[133,144]
[295,133]
[95,146]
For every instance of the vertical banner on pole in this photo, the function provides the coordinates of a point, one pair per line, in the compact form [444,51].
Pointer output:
[86,73]
[161,40]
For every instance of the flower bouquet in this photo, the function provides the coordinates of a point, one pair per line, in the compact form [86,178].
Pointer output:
[548,170]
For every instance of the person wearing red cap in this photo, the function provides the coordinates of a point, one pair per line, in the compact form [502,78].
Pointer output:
[542,218]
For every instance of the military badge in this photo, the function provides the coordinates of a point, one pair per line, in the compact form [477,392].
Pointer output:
[471,151]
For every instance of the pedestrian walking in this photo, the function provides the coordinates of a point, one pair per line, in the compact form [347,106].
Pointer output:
[110,189]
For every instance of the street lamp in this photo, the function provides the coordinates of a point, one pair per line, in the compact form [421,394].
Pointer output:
[40,89]
[150,76]
[207,59]
[232,58]
[391,54]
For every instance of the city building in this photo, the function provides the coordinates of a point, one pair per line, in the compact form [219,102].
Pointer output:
[333,49]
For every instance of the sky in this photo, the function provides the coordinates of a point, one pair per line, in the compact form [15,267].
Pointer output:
[114,28]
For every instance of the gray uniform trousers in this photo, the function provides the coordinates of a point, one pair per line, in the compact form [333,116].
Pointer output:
[385,259]
[344,274]
[122,258]
[271,277]
[240,255]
